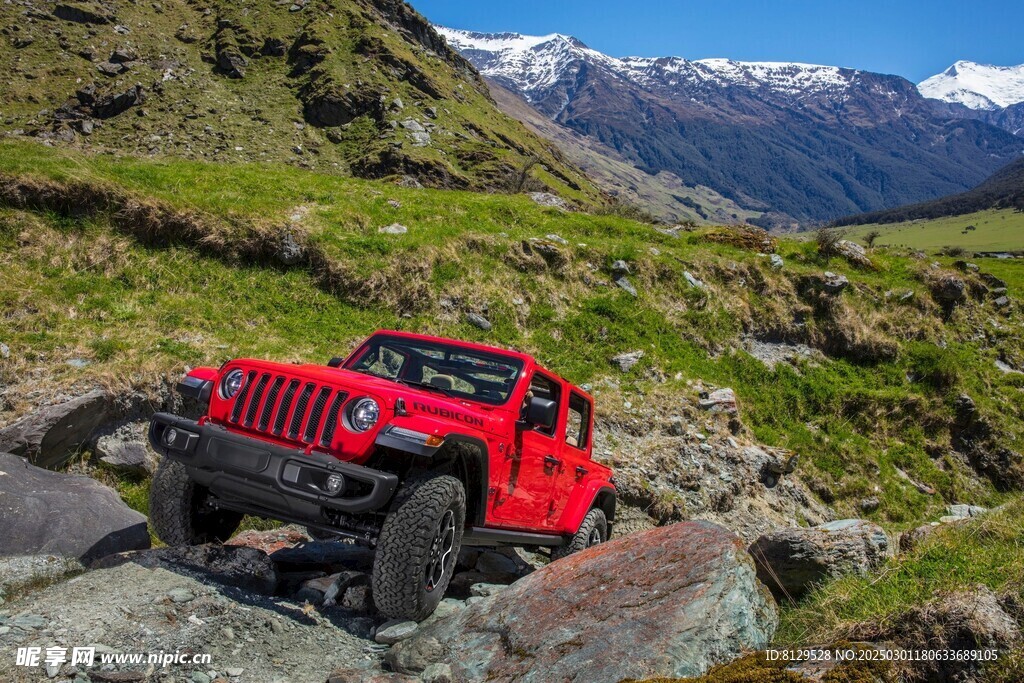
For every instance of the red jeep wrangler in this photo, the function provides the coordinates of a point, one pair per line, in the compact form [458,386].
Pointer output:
[413,444]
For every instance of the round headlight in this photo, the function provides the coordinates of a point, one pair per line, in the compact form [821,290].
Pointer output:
[365,414]
[231,384]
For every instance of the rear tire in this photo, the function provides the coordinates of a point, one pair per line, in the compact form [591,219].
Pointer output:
[593,530]
[179,509]
[418,547]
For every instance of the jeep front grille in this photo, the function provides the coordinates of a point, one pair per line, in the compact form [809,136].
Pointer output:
[308,420]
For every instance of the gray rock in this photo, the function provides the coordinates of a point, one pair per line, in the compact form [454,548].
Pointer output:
[420,139]
[5,351]
[720,401]
[413,125]
[776,261]
[396,630]
[437,673]
[1002,302]
[626,361]
[496,562]
[127,449]
[624,284]
[47,512]
[853,252]
[964,511]
[790,561]
[691,600]
[477,320]
[486,590]
[694,282]
[948,289]
[620,267]
[289,251]
[415,657]
[51,436]
[236,566]
[180,595]
[833,283]
[550,200]
[394,229]
[558,239]
[358,599]
[869,504]
[24,571]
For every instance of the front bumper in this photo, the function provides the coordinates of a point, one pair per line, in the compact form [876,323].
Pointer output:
[258,476]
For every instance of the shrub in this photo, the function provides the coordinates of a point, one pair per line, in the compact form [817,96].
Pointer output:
[828,240]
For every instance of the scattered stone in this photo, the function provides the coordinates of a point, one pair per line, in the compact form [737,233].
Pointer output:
[776,261]
[5,351]
[420,139]
[627,286]
[394,631]
[833,283]
[790,561]
[869,504]
[413,125]
[1002,302]
[62,514]
[477,320]
[289,251]
[620,267]
[854,253]
[557,239]
[550,200]
[948,289]
[394,229]
[111,68]
[626,361]
[180,595]
[720,401]
[82,13]
[694,282]
[123,55]
[962,511]
[437,673]
[394,204]
[51,436]
[691,601]
[23,571]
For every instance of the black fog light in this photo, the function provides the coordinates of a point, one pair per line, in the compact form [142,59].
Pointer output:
[334,484]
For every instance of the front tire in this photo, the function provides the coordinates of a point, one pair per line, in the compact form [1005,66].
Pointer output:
[418,547]
[179,509]
[593,530]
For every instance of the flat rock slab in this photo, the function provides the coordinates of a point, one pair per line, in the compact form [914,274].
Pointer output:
[672,601]
[51,513]
[50,436]
[240,567]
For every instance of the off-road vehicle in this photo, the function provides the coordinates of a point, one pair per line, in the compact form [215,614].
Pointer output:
[414,445]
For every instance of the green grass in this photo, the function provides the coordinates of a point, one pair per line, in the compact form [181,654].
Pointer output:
[988,551]
[80,288]
[995,230]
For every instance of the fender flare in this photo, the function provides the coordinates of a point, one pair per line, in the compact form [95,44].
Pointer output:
[597,493]
[477,483]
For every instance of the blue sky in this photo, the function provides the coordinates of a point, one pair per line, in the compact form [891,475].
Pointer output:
[914,39]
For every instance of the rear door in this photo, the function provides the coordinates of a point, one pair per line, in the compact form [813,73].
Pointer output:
[529,474]
[578,425]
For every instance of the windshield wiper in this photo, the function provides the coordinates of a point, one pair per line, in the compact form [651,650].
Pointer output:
[421,385]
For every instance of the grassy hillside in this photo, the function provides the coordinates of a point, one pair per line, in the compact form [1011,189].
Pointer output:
[361,87]
[140,268]
[991,230]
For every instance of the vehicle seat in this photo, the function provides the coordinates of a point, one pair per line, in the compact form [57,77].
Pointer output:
[446,382]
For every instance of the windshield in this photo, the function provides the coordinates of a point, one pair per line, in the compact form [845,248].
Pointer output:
[445,368]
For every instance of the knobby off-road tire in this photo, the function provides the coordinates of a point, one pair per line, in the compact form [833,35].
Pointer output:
[178,510]
[418,547]
[592,531]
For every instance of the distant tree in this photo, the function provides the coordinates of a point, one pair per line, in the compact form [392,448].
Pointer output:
[869,239]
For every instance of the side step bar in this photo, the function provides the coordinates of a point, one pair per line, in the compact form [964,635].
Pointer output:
[475,535]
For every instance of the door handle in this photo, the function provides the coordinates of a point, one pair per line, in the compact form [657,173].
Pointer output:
[581,471]
[551,462]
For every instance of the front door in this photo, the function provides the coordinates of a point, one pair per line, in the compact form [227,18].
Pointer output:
[527,483]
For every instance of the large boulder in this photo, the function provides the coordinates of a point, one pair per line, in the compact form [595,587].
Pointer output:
[50,436]
[672,601]
[790,561]
[43,512]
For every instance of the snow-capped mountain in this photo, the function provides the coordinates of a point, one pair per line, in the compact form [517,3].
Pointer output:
[807,141]
[977,86]
[531,65]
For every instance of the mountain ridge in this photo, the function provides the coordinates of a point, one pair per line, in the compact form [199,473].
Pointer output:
[805,144]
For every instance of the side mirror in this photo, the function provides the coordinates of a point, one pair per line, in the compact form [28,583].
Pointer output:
[335,362]
[541,412]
